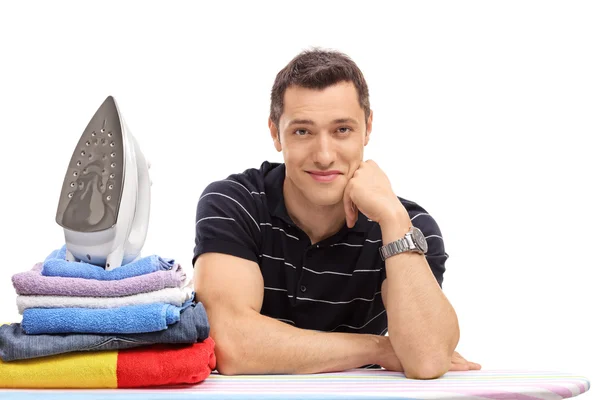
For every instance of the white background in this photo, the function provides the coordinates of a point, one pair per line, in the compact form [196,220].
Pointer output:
[486,114]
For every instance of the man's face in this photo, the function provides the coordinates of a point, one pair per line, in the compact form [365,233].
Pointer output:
[322,136]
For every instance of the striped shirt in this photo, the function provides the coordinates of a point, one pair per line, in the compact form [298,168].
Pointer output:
[332,285]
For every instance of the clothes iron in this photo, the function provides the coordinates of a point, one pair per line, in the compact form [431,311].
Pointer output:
[104,205]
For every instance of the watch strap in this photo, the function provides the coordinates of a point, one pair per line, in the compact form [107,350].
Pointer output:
[399,246]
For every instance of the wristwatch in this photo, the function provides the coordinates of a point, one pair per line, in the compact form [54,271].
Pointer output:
[413,241]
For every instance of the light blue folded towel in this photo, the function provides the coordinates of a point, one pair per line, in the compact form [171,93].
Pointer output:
[142,318]
[56,265]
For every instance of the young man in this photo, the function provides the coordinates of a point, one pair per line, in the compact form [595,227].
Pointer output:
[304,266]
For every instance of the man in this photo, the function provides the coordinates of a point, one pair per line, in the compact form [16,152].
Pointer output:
[287,257]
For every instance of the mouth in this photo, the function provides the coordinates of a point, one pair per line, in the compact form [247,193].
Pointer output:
[324,176]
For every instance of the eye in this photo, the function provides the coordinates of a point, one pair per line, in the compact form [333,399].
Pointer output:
[345,130]
[300,132]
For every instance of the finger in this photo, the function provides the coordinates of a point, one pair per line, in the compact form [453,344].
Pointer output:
[348,206]
[354,214]
[456,357]
[473,365]
[459,367]
[459,361]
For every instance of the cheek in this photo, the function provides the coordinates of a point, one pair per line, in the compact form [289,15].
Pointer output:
[294,153]
[353,149]
[353,156]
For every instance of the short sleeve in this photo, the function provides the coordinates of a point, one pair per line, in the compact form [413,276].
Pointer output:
[436,255]
[227,221]
[436,252]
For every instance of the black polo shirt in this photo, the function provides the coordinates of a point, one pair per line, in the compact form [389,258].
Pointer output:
[333,285]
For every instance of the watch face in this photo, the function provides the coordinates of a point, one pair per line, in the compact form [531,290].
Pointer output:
[420,239]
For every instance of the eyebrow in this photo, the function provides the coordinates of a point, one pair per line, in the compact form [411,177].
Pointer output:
[311,122]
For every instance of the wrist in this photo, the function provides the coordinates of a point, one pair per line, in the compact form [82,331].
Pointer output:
[385,356]
[394,226]
[380,349]
[360,349]
[395,214]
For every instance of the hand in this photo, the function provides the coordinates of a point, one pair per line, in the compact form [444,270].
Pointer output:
[458,363]
[387,357]
[370,191]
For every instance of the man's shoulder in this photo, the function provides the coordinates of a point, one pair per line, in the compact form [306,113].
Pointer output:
[249,181]
[411,206]
[420,217]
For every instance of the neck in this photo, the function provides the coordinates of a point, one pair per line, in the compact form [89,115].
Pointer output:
[318,222]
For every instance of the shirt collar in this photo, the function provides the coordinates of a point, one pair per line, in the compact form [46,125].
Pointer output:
[274,191]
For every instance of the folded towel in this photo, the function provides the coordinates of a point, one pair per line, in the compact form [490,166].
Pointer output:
[127,319]
[34,283]
[174,296]
[56,265]
[192,327]
[155,365]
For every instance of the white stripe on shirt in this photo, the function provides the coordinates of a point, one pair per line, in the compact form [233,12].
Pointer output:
[202,219]
[341,273]
[360,327]
[335,302]
[322,301]
[279,229]
[286,320]
[418,215]
[320,272]
[229,180]
[231,198]
[276,289]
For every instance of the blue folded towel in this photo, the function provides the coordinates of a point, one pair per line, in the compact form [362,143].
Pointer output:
[56,265]
[140,318]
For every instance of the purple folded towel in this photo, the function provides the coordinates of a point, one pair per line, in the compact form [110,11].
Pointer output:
[34,283]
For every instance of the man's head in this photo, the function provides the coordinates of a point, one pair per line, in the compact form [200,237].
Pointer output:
[321,120]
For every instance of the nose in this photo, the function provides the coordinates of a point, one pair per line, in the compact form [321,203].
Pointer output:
[324,151]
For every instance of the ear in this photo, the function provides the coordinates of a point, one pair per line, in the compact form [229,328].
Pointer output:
[369,128]
[275,135]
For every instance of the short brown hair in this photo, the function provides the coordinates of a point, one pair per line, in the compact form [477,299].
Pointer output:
[318,69]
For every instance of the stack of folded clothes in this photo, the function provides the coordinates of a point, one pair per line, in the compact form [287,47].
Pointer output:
[85,327]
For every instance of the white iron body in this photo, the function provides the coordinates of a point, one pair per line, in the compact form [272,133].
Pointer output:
[104,206]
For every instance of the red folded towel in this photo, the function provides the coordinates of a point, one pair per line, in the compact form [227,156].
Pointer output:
[146,366]
[166,364]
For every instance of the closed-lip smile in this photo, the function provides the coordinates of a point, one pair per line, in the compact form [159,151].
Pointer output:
[324,173]
[324,176]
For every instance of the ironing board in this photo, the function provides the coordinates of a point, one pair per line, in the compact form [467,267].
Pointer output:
[353,384]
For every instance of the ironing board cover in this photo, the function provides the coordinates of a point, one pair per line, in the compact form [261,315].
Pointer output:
[354,384]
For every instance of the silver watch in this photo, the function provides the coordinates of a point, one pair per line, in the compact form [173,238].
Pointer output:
[413,241]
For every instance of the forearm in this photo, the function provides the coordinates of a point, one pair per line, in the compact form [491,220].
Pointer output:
[422,324]
[255,344]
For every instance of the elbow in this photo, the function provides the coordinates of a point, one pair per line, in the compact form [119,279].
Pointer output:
[226,368]
[231,341]
[225,353]
[226,338]
[431,369]
[231,350]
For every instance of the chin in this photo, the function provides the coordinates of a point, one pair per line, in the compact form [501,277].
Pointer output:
[323,197]
[317,194]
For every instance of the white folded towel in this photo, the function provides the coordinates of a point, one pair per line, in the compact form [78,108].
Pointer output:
[175,296]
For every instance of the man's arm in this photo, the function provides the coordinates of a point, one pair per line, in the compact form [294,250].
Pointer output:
[231,289]
[422,324]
